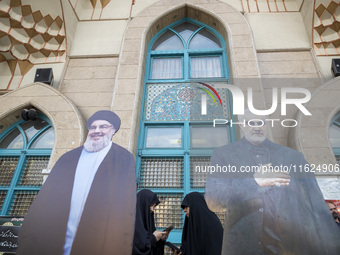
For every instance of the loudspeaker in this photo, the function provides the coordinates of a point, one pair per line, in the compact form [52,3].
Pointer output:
[30,114]
[336,66]
[44,75]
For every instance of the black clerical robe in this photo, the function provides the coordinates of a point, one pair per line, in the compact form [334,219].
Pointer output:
[107,222]
[202,231]
[291,219]
[144,242]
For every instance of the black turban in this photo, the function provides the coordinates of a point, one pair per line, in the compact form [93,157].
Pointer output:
[104,115]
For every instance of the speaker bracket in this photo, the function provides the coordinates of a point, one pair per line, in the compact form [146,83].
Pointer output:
[44,75]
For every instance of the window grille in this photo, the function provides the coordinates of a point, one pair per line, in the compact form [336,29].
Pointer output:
[3,194]
[7,167]
[169,211]
[221,216]
[167,250]
[337,157]
[25,149]
[198,171]
[186,64]
[162,172]
[32,171]
[21,202]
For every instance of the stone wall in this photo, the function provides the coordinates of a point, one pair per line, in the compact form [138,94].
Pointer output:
[286,69]
[89,83]
[67,121]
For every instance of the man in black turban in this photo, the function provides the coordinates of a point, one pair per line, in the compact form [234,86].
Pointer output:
[87,204]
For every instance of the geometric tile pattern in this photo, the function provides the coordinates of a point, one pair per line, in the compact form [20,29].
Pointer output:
[326,37]
[182,101]
[28,37]
[93,9]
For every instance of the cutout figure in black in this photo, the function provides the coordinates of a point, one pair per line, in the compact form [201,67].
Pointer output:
[202,231]
[147,240]
[87,204]
[272,200]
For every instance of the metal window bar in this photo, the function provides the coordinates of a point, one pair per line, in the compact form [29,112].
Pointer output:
[21,202]
[337,157]
[3,194]
[167,250]
[8,165]
[161,172]
[169,211]
[198,171]
[221,216]
[32,171]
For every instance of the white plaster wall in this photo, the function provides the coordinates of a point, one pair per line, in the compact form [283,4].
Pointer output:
[140,6]
[237,4]
[274,31]
[325,64]
[95,38]
[5,75]
[307,10]
[70,22]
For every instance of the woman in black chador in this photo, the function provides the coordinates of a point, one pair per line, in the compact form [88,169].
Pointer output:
[202,231]
[147,240]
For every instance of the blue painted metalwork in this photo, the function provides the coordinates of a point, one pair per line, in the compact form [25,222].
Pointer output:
[23,155]
[177,103]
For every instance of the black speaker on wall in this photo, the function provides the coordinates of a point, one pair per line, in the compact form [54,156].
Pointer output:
[44,75]
[336,66]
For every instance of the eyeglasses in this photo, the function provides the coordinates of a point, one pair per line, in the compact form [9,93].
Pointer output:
[100,127]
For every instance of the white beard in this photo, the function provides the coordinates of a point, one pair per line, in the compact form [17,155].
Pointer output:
[94,146]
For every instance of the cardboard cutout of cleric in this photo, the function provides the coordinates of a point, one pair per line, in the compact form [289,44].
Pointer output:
[272,200]
[87,204]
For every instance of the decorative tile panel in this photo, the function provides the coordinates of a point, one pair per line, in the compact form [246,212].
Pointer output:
[183,101]
[326,37]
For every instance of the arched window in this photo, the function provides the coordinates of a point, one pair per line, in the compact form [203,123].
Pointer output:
[334,136]
[186,62]
[25,149]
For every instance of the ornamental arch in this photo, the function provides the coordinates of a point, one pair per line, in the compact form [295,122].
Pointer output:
[64,116]
[311,136]
[226,20]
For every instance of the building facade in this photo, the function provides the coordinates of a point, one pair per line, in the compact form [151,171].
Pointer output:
[152,63]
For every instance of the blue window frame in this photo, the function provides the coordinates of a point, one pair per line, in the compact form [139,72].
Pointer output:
[185,63]
[25,149]
[334,136]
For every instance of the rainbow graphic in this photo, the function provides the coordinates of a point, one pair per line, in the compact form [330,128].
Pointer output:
[206,89]
[209,93]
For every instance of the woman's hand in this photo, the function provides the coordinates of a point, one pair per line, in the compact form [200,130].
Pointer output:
[160,234]
[165,236]
[175,252]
